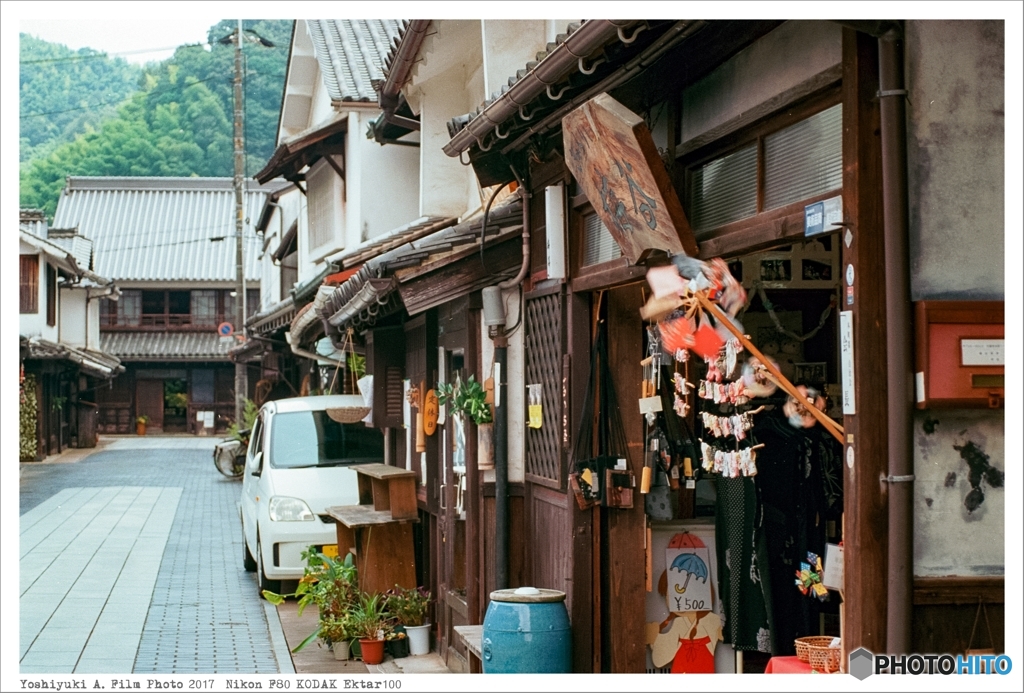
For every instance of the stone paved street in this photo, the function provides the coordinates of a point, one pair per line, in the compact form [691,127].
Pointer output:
[131,562]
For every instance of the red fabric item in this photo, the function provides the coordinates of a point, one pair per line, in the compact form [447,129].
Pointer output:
[787,665]
[706,341]
[693,657]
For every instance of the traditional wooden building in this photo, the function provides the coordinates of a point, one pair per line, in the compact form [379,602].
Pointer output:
[62,363]
[169,242]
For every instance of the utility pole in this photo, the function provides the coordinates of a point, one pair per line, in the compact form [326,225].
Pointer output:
[241,375]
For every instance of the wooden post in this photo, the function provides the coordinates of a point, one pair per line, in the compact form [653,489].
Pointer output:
[865,496]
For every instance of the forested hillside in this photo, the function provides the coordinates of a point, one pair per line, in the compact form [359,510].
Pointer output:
[64,91]
[177,123]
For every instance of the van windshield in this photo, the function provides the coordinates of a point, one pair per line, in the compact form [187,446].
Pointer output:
[313,439]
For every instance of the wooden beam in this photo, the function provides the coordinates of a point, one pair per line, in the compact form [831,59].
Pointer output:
[959,590]
[626,529]
[866,499]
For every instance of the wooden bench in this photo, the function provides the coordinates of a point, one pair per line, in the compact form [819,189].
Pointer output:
[472,638]
[379,530]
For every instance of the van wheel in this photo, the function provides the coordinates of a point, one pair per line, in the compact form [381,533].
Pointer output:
[263,582]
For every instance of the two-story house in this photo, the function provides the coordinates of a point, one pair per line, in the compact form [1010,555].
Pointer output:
[170,244]
[63,366]
[342,201]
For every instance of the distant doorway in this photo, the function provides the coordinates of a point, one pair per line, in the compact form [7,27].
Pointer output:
[149,402]
[175,405]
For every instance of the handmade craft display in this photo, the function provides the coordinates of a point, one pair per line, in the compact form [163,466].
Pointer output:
[808,578]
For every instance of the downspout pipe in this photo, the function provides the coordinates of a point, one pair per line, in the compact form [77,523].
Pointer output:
[898,309]
[501,409]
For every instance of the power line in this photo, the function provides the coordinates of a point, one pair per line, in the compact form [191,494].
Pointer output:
[114,103]
[94,56]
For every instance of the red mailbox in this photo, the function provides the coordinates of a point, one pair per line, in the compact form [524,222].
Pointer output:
[960,354]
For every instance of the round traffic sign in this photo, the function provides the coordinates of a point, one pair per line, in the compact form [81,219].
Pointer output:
[225,329]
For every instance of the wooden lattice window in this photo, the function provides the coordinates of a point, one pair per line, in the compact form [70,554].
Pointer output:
[544,349]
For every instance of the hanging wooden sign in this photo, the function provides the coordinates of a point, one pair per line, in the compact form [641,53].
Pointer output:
[430,408]
[610,151]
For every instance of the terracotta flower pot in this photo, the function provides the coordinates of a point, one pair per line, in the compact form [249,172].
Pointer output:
[140,429]
[373,651]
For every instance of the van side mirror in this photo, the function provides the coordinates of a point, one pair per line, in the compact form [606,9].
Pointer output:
[257,464]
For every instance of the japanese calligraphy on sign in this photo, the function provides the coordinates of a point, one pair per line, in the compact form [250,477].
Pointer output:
[611,153]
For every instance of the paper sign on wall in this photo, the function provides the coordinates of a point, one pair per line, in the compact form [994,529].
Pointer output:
[846,352]
[833,577]
[689,577]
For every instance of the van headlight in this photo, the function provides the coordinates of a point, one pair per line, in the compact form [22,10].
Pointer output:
[284,509]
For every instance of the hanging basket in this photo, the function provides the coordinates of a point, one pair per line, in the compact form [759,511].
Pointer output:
[348,415]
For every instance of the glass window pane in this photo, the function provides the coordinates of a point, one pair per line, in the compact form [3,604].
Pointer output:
[312,438]
[129,307]
[805,159]
[204,308]
[724,190]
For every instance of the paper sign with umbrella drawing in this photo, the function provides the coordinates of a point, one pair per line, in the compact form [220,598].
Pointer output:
[689,574]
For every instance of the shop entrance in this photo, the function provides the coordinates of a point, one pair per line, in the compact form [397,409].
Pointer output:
[766,479]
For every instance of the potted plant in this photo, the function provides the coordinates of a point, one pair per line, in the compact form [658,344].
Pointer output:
[331,584]
[370,625]
[468,400]
[409,608]
[140,424]
[337,632]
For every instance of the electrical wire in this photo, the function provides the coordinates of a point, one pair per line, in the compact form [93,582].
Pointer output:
[146,95]
[94,56]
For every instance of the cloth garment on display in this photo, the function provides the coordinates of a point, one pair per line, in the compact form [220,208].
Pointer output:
[743,572]
[800,489]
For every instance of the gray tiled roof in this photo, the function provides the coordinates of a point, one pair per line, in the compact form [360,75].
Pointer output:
[161,229]
[80,247]
[351,53]
[164,346]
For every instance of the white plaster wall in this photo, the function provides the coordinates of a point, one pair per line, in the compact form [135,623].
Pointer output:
[507,46]
[948,538]
[515,388]
[444,182]
[93,331]
[554,27]
[781,60]
[73,317]
[955,152]
[390,179]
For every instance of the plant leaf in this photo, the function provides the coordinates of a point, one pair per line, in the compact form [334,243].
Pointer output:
[275,599]
[309,638]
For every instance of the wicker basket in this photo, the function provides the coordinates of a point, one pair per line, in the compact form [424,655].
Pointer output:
[804,644]
[348,415]
[824,659]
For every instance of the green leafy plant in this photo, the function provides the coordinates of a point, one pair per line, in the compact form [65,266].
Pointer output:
[357,364]
[27,419]
[330,584]
[58,403]
[465,398]
[143,419]
[370,617]
[408,606]
[241,434]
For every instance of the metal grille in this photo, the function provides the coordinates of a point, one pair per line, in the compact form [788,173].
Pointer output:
[804,159]
[598,244]
[544,365]
[724,190]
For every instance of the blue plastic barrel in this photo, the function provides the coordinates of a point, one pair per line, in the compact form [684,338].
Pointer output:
[526,631]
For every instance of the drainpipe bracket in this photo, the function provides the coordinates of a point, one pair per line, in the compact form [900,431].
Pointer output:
[904,478]
[892,92]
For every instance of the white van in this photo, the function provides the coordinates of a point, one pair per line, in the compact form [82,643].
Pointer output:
[298,464]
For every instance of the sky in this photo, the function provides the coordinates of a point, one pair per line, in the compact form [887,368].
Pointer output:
[138,40]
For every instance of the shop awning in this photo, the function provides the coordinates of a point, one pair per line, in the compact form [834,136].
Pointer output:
[90,361]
